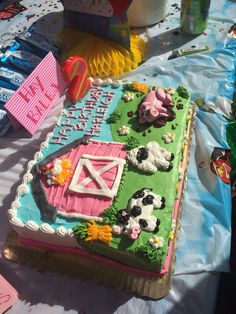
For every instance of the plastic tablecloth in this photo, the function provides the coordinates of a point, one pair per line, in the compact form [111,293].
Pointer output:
[205,234]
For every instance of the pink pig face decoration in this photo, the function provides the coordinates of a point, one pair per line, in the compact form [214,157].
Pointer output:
[156,108]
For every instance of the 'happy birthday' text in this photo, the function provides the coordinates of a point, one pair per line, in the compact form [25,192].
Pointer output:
[87,117]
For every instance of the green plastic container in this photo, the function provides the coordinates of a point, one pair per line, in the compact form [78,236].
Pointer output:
[194,16]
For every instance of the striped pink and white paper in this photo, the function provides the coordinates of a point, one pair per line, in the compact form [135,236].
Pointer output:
[8,295]
[33,100]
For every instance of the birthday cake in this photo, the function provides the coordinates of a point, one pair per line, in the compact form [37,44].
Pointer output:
[109,179]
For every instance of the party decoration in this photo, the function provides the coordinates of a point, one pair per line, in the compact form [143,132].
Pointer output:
[74,66]
[8,295]
[220,164]
[11,10]
[75,73]
[104,57]
[33,100]
[105,18]
[98,31]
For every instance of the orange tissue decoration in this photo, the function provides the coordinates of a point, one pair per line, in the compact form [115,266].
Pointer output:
[104,57]
[96,232]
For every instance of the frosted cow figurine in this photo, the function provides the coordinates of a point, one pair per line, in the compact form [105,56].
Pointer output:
[139,214]
[141,206]
[151,158]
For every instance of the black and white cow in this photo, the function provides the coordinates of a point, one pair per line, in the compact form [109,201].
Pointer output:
[138,215]
[151,158]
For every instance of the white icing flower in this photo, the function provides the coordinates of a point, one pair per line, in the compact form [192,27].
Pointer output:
[168,137]
[124,130]
[128,96]
[170,90]
[116,229]
[70,233]
[156,242]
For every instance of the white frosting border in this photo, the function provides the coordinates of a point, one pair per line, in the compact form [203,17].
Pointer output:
[32,230]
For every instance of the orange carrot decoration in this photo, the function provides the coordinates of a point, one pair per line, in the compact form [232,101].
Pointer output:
[139,87]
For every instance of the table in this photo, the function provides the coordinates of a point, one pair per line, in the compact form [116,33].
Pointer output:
[204,246]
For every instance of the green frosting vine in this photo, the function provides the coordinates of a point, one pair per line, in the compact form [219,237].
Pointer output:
[132,142]
[80,231]
[147,253]
[114,117]
[183,92]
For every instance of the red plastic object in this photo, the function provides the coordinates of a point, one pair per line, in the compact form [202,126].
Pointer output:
[78,88]
[75,73]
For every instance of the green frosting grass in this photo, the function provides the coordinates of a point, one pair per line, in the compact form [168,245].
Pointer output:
[138,253]
[162,183]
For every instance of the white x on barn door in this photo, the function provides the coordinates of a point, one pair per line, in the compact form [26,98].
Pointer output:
[95,175]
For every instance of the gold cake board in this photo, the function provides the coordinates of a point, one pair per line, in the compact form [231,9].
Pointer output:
[80,267]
